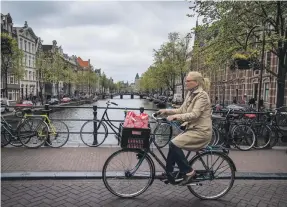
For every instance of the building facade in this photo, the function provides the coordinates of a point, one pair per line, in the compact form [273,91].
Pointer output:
[242,85]
[27,41]
[13,84]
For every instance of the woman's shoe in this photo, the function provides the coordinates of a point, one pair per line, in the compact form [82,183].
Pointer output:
[187,178]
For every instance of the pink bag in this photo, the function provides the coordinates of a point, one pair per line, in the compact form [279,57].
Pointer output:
[134,120]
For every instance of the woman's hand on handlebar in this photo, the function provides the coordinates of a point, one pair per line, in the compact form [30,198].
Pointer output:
[161,112]
[172,118]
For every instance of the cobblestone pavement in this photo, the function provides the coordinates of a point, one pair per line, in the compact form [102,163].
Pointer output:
[91,159]
[93,193]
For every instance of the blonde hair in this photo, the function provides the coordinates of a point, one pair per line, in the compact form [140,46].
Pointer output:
[202,82]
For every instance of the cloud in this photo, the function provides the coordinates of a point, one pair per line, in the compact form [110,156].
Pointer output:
[118,37]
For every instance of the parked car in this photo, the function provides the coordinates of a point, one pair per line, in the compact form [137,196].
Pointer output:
[23,103]
[53,101]
[65,100]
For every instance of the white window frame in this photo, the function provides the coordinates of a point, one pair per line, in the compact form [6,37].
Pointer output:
[30,75]
[268,89]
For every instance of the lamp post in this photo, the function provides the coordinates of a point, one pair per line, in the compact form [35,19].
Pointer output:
[261,65]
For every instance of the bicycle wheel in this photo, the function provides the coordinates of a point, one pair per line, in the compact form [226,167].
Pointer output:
[33,132]
[263,135]
[208,167]
[135,167]
[89,137]
[243,137]
[162,135]
[58,135]
[5,137]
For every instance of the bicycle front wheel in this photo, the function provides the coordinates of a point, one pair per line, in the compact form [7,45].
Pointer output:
[263,135]
[243,137]
[128,173]
[162,135]
[58,135]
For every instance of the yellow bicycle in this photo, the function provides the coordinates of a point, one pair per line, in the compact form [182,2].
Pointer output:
[58,131]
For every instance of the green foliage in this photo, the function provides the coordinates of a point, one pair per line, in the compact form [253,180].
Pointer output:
[11,56]
[230,27]
[170,62]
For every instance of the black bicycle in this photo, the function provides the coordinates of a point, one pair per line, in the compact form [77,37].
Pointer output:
[134,163]
[94,138]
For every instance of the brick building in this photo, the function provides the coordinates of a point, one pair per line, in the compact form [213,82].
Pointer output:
[244,84]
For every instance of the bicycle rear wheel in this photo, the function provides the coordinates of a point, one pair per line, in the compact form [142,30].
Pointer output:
[162,135]
[136,166]
[5,137]
[33,132]
[91,138]
[211,166]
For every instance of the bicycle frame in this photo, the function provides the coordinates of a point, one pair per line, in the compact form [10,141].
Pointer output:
[105,118]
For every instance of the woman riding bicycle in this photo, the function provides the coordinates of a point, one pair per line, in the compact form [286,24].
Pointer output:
[195,112]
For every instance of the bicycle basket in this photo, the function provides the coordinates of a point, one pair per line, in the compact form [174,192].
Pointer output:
[135,138]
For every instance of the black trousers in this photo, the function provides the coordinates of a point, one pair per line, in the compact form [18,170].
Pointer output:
[176,155]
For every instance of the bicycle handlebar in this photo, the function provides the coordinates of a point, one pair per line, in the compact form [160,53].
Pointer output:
[154,116]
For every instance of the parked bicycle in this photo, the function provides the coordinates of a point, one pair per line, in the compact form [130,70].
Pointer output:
[120,170]
[58,131]
[94,138]
[232,130]
[28,130]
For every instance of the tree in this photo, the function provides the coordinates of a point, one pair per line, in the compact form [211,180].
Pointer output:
[44,73]
[69,76]
[238,26]
[11,60]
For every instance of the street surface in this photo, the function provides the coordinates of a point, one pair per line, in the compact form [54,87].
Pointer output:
[93,193]
[92,159]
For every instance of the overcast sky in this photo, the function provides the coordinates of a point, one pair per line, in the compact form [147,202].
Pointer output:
[118,37]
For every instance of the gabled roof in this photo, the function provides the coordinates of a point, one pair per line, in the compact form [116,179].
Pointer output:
[82,63]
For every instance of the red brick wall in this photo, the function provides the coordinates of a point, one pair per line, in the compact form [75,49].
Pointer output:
[244,81]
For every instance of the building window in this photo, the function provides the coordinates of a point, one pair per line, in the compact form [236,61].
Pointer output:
[33,48]
[29,47]
[13,95]
[25,60]
[30,75]
[33,62]
[21,43]
[26,74]
[266,92]
[34,78]
[11,79]
[268,61]
[29,61]
[25,45]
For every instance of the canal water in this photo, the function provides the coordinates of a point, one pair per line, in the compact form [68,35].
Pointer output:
[87,113]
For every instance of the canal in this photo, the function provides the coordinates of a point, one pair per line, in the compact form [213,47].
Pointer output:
[114,114]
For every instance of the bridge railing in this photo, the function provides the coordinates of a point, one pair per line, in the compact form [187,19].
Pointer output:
[49,109]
